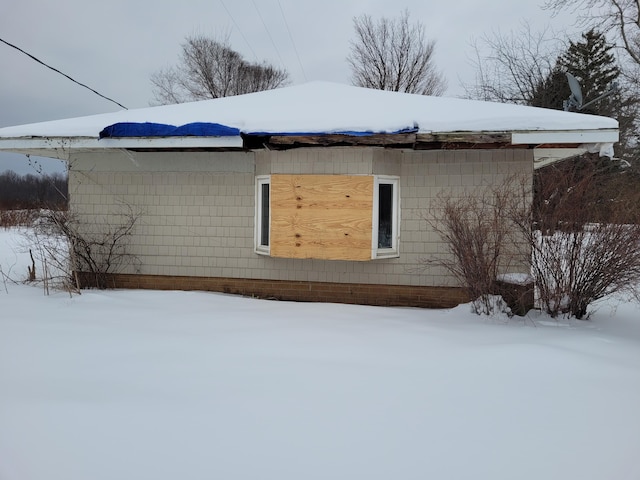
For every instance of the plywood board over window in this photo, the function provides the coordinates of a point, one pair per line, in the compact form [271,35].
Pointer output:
[325,217]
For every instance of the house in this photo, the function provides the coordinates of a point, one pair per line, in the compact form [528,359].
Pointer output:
[314,192]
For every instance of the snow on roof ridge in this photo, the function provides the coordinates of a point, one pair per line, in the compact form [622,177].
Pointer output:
[329,107]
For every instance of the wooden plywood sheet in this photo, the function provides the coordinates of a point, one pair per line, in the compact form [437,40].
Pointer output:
[324,217]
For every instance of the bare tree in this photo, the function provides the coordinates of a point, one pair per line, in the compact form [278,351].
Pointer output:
[33,191]
[210,68]
[620,17]
[511,68]
[393,54]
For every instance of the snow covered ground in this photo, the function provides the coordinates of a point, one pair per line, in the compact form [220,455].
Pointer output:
[186,385]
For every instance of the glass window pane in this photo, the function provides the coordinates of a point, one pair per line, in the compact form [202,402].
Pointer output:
[385,215]
[264,214]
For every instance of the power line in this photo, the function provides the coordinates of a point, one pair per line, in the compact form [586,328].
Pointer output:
[292,42]
[268,33]
[238,28]
[63,74]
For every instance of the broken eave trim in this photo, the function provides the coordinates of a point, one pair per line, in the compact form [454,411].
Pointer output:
[543,156]
[418,141]
[332,139]
[460,139]
[92,143]
[528,137]
[464,137]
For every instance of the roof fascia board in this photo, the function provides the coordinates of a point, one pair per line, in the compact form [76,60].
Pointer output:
[82,143]
[565,136]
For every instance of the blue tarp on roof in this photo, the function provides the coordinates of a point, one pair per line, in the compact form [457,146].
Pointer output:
[204,129]
[351,133]
[147,129]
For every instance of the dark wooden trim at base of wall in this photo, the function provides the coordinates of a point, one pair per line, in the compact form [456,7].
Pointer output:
[354,293]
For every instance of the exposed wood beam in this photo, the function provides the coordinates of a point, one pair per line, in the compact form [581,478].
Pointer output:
[341,139]
[464,137]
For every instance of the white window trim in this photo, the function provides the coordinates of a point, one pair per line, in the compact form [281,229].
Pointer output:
[260,181]
[395,218]
[376,253]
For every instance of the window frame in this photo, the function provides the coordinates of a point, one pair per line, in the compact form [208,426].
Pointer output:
[260,248]
[393,251]
[376,252]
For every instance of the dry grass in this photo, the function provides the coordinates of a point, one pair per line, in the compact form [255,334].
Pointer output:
[18,218]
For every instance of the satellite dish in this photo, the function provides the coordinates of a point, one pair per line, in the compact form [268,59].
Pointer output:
[575,100]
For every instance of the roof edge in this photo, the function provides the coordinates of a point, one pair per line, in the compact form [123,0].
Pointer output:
[86,143]
[537,137]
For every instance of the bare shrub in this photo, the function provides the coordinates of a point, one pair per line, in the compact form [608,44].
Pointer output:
[579,234]
[74,248]
[18,218]
[578,256]
[577,268]
[477,232]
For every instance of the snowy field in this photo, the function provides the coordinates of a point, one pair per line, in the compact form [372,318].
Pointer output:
[183,385]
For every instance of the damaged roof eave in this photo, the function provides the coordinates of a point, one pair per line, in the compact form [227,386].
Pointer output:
[60,147]
[57,146]
[528,137]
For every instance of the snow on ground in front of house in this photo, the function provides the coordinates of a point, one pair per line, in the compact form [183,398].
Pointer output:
[186,385]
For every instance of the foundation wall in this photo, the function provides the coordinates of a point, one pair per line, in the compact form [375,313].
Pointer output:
[361,294]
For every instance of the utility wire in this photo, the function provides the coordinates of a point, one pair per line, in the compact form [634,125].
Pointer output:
[238,28]
[63,74]
[268,33]
[304,75]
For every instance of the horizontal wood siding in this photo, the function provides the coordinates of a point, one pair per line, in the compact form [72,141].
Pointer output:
[325,217]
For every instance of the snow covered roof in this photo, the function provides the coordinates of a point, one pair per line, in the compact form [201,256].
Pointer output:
[315,108]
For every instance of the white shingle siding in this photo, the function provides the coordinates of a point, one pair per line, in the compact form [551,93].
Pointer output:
[198,208]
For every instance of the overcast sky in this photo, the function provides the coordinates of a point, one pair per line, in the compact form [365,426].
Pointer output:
[115,46]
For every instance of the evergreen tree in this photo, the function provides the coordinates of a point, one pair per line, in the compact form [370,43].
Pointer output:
[591,61]
[593,64]
[552,91]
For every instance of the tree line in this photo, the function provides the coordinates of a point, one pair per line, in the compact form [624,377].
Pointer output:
[29,191]
[386,54]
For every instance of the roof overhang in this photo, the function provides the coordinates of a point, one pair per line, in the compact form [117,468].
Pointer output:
[549,146]
[537,137]
[58,147]
[316,114]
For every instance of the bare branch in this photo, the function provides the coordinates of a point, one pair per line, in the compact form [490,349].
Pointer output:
[477,231]
[585,238]
[209,68]
[93,250]
[511,67]
[393,54]
[620,17]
